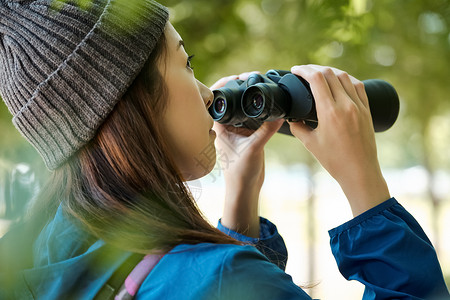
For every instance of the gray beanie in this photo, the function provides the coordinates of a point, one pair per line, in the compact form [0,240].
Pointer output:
[64,67]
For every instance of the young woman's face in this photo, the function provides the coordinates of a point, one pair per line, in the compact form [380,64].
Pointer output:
[187,123]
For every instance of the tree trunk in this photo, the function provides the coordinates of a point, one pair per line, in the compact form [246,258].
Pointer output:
[311,223]
[434,199]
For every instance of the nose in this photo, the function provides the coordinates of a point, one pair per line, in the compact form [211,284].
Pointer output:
[206,94]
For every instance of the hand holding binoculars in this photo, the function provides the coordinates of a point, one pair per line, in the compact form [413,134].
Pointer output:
[281,94]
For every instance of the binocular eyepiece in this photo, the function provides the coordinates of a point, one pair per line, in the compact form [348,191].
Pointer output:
[281,94]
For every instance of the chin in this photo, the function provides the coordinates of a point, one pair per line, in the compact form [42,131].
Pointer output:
[202,172]
[201,168]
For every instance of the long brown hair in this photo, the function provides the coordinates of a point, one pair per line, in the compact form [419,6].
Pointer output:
[123,186]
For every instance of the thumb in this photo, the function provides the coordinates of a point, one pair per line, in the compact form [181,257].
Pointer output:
[218,128]
[266,131]
[300,130]
[222,81]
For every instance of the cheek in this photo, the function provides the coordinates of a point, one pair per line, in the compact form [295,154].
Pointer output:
[184,98]
[186,114]
[186,126]
[184,123]
[193,151]
[186,129]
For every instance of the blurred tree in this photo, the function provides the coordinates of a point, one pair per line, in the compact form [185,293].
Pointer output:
[409,44]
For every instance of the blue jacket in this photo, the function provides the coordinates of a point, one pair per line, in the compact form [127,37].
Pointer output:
[384,248]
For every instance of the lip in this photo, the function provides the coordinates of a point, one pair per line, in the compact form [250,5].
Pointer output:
[211,131]
[211,127]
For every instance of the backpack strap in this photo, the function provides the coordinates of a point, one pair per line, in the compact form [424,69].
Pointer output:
[132,283]
[127,279]
[110,288]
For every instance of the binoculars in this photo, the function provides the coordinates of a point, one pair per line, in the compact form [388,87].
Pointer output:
[281,94]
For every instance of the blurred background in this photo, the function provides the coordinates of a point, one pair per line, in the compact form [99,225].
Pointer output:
[406,43]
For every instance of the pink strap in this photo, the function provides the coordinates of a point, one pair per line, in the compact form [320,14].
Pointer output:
[137,276]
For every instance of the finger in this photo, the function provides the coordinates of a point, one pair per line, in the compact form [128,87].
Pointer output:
[353,87]
[222,81]
[265,132]
[245,75]
[300,130]
[318,84]
[360,89]
[347,84]
[334,83]
[220,129]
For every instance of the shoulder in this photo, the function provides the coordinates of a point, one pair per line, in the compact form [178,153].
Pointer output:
[207,259]
[213,251]
[213,271]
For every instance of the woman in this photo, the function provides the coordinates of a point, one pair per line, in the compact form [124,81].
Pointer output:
[113,107]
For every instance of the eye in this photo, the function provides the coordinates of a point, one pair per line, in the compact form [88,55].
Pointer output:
[189,62]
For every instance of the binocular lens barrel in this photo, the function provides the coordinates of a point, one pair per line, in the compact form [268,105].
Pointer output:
[226,107]
[220,106]
[258,102]
[253,105]
[265,101]
[288,96]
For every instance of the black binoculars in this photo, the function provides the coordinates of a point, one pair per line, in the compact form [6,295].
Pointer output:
[281,94]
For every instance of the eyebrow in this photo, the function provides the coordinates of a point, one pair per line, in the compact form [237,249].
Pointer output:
[180,43]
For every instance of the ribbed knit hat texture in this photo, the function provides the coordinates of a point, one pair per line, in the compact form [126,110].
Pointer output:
[64,67]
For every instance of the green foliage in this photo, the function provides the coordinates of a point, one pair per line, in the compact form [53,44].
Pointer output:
[13,147]
[404,42]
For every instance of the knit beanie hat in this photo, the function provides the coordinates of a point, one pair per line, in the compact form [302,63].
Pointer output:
[64,66]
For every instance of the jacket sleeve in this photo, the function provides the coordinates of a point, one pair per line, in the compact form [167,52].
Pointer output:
[270,242]
[386,249]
